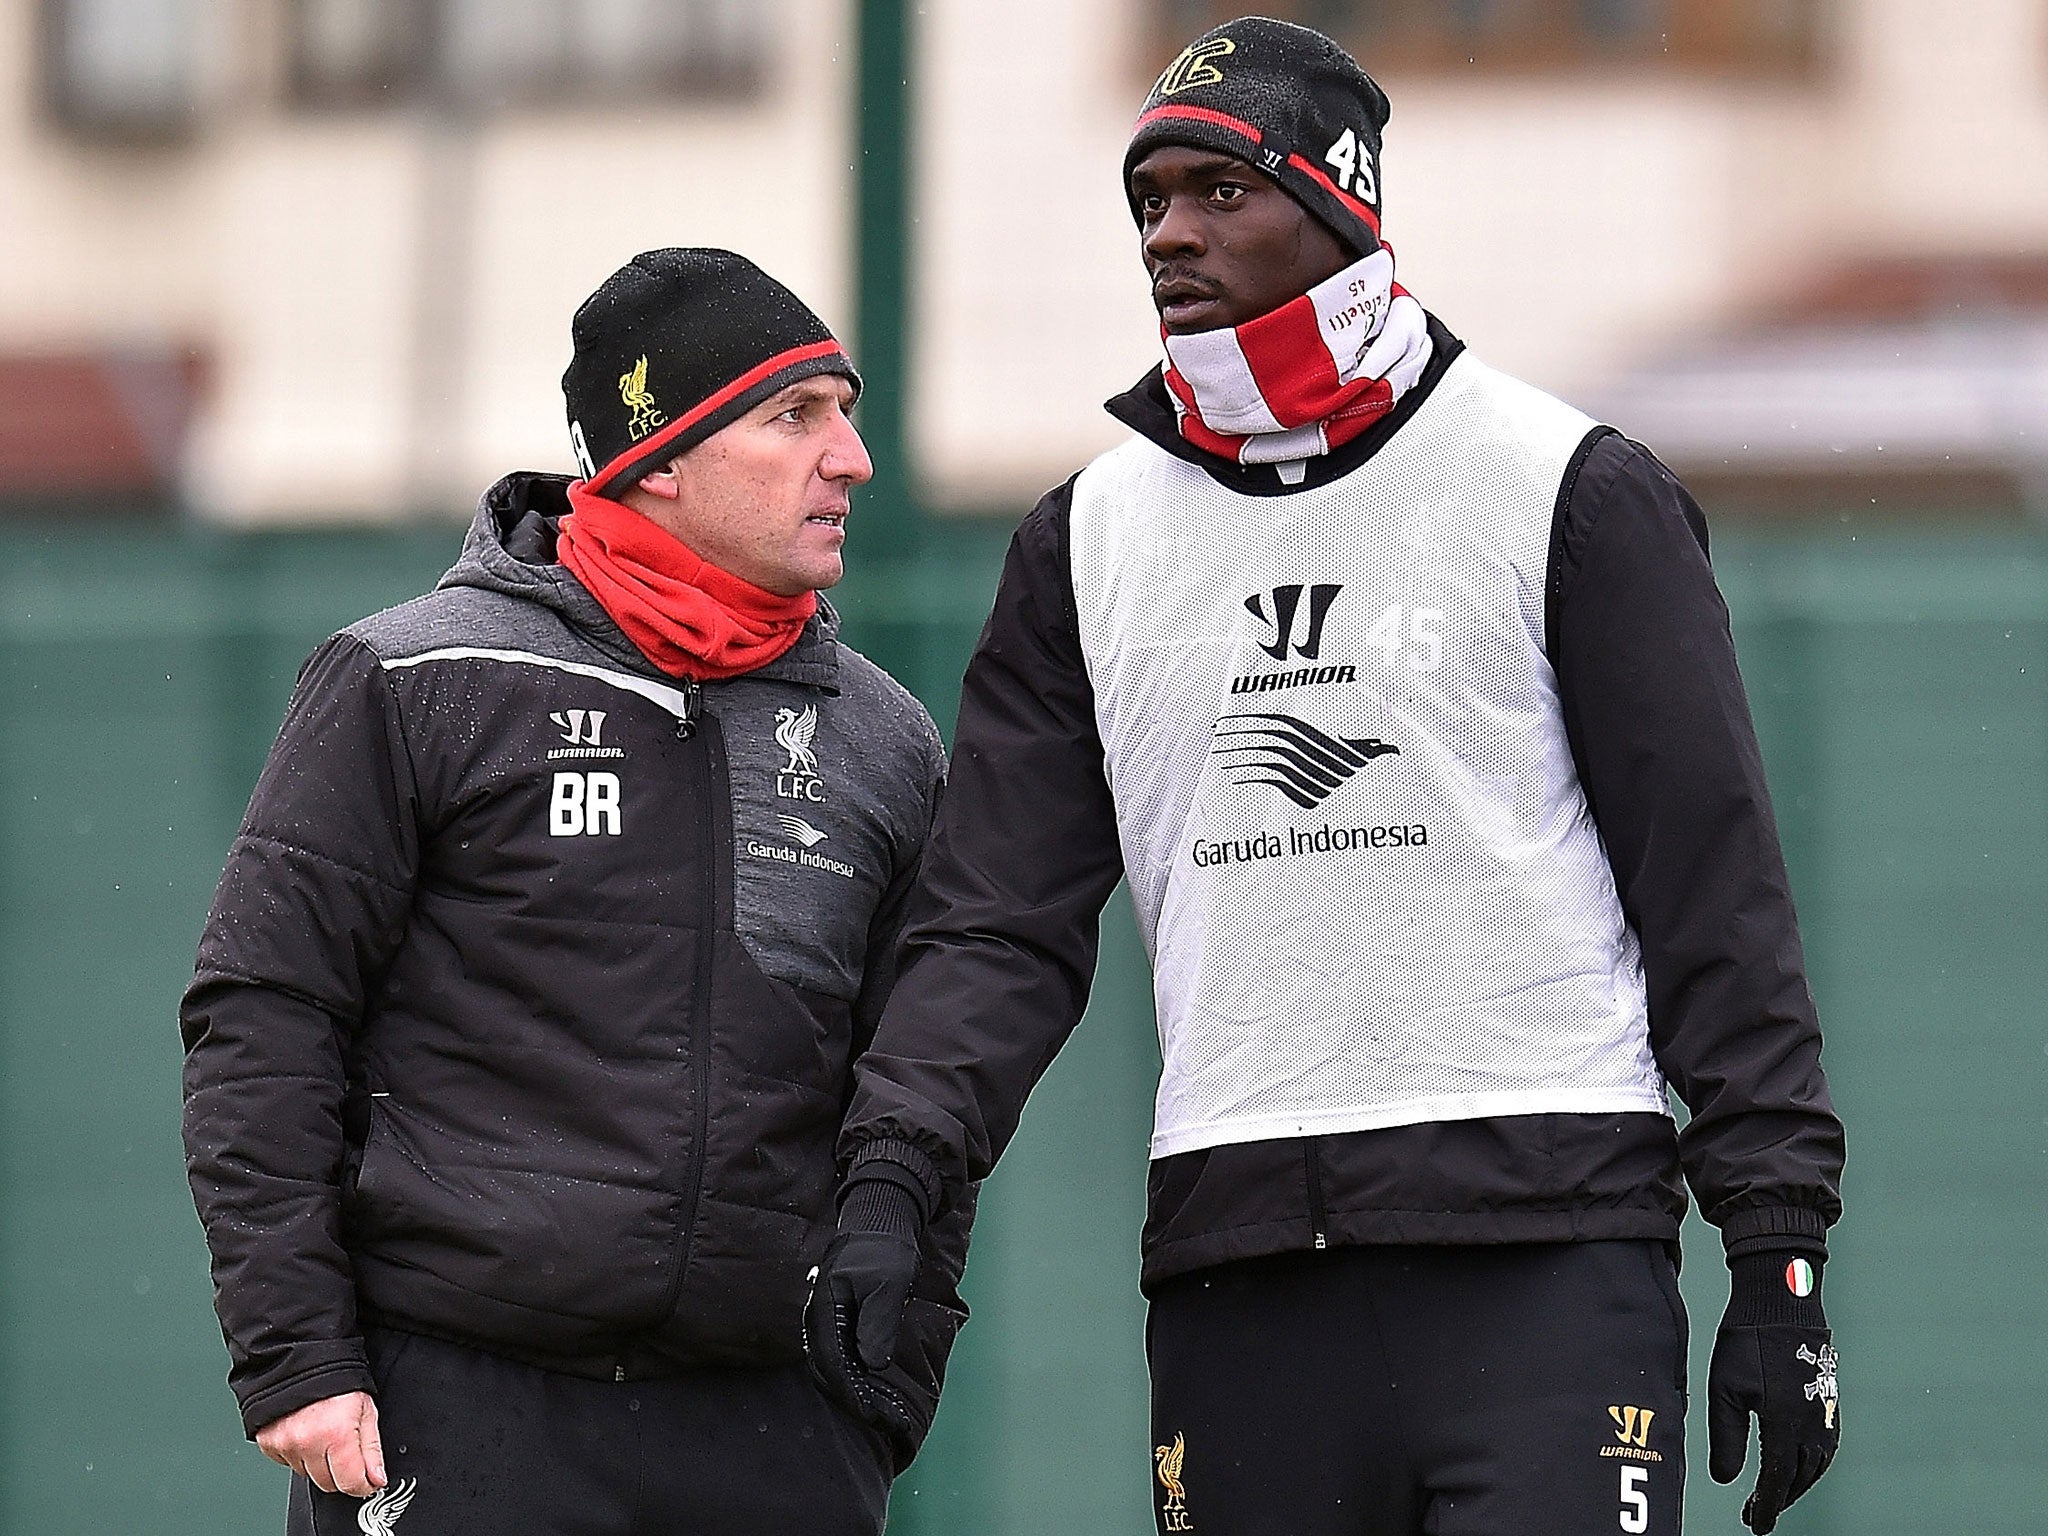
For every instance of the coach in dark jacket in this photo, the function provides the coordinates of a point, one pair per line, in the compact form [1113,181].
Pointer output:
[523,1019]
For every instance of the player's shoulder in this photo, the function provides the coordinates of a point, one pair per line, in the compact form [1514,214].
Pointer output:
[1512,403]
[459,617]
[1116,470]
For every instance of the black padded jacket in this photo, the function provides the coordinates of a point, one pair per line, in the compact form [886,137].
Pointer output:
[525,1011]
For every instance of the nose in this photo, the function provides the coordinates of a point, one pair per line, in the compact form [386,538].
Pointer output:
[1177,232]
[846,456]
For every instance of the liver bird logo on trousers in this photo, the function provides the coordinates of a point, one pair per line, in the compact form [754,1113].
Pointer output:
[1171,1459]
[381,1510]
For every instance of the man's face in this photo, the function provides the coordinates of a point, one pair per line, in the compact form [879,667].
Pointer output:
[1223,244]
[766,498]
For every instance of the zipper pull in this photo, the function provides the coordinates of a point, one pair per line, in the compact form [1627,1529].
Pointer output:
[693,701]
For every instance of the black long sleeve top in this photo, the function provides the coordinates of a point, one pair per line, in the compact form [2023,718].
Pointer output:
[1002,943]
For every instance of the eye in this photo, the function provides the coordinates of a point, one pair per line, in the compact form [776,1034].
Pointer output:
[1151,205]
[1228,191]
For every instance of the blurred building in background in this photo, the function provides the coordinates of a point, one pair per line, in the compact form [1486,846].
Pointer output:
[316,258]
[312,259]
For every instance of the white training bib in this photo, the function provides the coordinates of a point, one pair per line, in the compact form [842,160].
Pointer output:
[1361,859]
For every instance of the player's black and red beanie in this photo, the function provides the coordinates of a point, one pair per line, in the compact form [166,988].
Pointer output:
[1288,102]
[673,346]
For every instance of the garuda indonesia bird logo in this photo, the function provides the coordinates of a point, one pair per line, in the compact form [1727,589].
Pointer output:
[380,1511]
[794,732]
[1304,763]
[634,392]
[801,830]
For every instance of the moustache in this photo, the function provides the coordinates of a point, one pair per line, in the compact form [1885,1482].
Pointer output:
[1185,283]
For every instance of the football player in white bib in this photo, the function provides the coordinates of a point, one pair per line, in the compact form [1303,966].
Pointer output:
[1403,696]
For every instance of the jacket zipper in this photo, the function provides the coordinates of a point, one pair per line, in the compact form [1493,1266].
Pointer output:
[1318,1218]
[689,725]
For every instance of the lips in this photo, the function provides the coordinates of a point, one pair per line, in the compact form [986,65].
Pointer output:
[1181,294]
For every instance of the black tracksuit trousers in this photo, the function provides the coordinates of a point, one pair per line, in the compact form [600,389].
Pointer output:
[1518,1390]
[477,1445]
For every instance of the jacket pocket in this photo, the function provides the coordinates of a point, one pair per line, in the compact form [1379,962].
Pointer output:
[480,1219]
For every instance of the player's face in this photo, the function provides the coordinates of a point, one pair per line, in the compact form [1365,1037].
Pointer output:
[1222,243]
[766,498]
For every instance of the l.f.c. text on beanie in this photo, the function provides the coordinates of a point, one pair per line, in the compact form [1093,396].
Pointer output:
[675,345]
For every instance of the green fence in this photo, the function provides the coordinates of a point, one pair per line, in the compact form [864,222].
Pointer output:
[1898,682]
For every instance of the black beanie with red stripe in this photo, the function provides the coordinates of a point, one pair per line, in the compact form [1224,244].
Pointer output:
[675,345]
[1288,102]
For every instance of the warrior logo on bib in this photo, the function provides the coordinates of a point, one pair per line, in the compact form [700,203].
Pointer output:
[1285,601]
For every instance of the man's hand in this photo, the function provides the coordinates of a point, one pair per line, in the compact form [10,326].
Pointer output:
[334,1442]
[1773,1357]
[855,1310]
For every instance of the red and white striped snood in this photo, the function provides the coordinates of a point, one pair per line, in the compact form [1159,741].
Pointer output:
[1306,377]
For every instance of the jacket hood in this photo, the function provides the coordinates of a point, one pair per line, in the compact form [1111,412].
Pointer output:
[510,548]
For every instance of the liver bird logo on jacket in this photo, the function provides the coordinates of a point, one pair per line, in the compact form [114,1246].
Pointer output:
[381,1510]
[794,732]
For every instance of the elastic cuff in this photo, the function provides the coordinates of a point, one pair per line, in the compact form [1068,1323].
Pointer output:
[884,1206]
[273,1403]
[1764,1291]
[895,1178]
[1757,1228]
[916,1170]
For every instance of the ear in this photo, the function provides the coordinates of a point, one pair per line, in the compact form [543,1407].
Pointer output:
[661,483]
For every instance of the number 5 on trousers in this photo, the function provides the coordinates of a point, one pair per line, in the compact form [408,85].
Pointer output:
[1635,1500]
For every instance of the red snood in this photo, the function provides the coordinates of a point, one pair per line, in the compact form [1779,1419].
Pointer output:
[688,617]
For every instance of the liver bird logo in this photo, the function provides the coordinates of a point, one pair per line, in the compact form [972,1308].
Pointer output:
[1171,1458]
[381,1510]
[794,733]
[634,392]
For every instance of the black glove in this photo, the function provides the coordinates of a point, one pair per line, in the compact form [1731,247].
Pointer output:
[855,1309]
[1773,1358]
